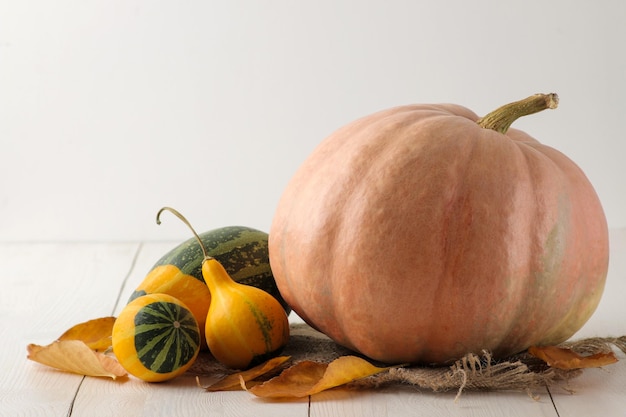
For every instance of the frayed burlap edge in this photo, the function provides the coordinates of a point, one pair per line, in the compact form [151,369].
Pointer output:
[473,372]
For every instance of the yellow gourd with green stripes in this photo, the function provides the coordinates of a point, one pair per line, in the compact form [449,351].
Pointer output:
[156,337]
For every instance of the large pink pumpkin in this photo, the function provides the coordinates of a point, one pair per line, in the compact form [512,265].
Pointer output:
[417,235]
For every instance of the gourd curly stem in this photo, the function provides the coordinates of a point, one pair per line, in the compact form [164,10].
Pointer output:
[501,118]
[184,220]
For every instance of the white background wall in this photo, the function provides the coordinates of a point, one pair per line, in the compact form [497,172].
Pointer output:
[111,109]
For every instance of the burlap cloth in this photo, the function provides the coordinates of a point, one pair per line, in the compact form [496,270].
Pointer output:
[471,373]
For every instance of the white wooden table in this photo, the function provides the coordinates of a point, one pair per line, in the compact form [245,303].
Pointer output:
[48,287]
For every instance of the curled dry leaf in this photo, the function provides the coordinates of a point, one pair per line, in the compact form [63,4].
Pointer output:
[232,382]
[563,358]
[75,356]
[95,333]
[308,378]
[295,381]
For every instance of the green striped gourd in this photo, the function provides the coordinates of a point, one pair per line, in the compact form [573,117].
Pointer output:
[156,337]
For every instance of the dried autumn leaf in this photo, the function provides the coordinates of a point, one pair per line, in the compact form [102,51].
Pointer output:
[308,378]
[295,381]
[95,333]
[563,358]
[344,370]
[75,356]
[232,381]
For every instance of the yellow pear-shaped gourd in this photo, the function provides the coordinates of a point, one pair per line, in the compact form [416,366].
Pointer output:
[245,325]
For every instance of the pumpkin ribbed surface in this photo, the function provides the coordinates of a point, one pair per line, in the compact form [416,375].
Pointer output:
[416,235]
[156,337]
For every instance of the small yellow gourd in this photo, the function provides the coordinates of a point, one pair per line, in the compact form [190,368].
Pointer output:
[245,325]
[156,337]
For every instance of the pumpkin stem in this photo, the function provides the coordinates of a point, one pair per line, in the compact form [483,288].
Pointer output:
[184,220]
[501,118]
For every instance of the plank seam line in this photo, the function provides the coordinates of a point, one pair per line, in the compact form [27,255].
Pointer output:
[70,410]
[552,400]
[128,274]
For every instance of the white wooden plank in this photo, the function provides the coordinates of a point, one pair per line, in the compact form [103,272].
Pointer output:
[406,401]
[148,255]
[47,288]
[180,397]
